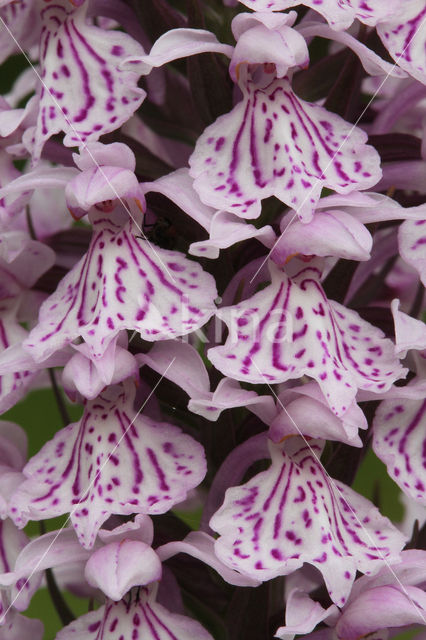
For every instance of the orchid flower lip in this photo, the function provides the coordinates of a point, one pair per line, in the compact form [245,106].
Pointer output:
[75,507]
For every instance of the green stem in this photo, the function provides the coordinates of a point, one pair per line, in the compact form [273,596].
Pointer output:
[64,612]
[59,399]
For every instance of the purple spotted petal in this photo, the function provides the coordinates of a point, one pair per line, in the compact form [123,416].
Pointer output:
[412,245]
[109,462]
[273,143]
[22,19]
[140,619]
[290,329]
[17,627]
[86,93]
[400,441]
[340,15]
[14,384]
[295,513]
[123,282]
[403,35]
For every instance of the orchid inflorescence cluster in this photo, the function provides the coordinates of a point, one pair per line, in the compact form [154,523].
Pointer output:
[213,240]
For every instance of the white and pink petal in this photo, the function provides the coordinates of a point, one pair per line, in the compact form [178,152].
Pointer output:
[412,245]
[123,282]
[273,143]
[85,91]
[400,442]
[294,513]
[141,619]
[290,329]
[111,462]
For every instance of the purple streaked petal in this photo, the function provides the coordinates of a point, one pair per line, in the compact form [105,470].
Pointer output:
[23,21]
[15,383]
[339,15]
[141,619]
[295,513]
[110,462]
[232,471]
[412,245]
[119,566]
[400,441]
[403,35]
[290,329]
[273,143]
[123,282]
[85,92]
[17,627]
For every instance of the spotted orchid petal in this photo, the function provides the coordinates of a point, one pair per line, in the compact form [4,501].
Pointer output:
[412,245]
[410,333]
[399,440]
[143,617]
[109,462]
[304,409]
[339,15]
[119,566]
[403,34]
[273,143]
[295,513]
[13,384]
[22,20]
[17,627]
[85,92]
[123,282]
[290,329]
